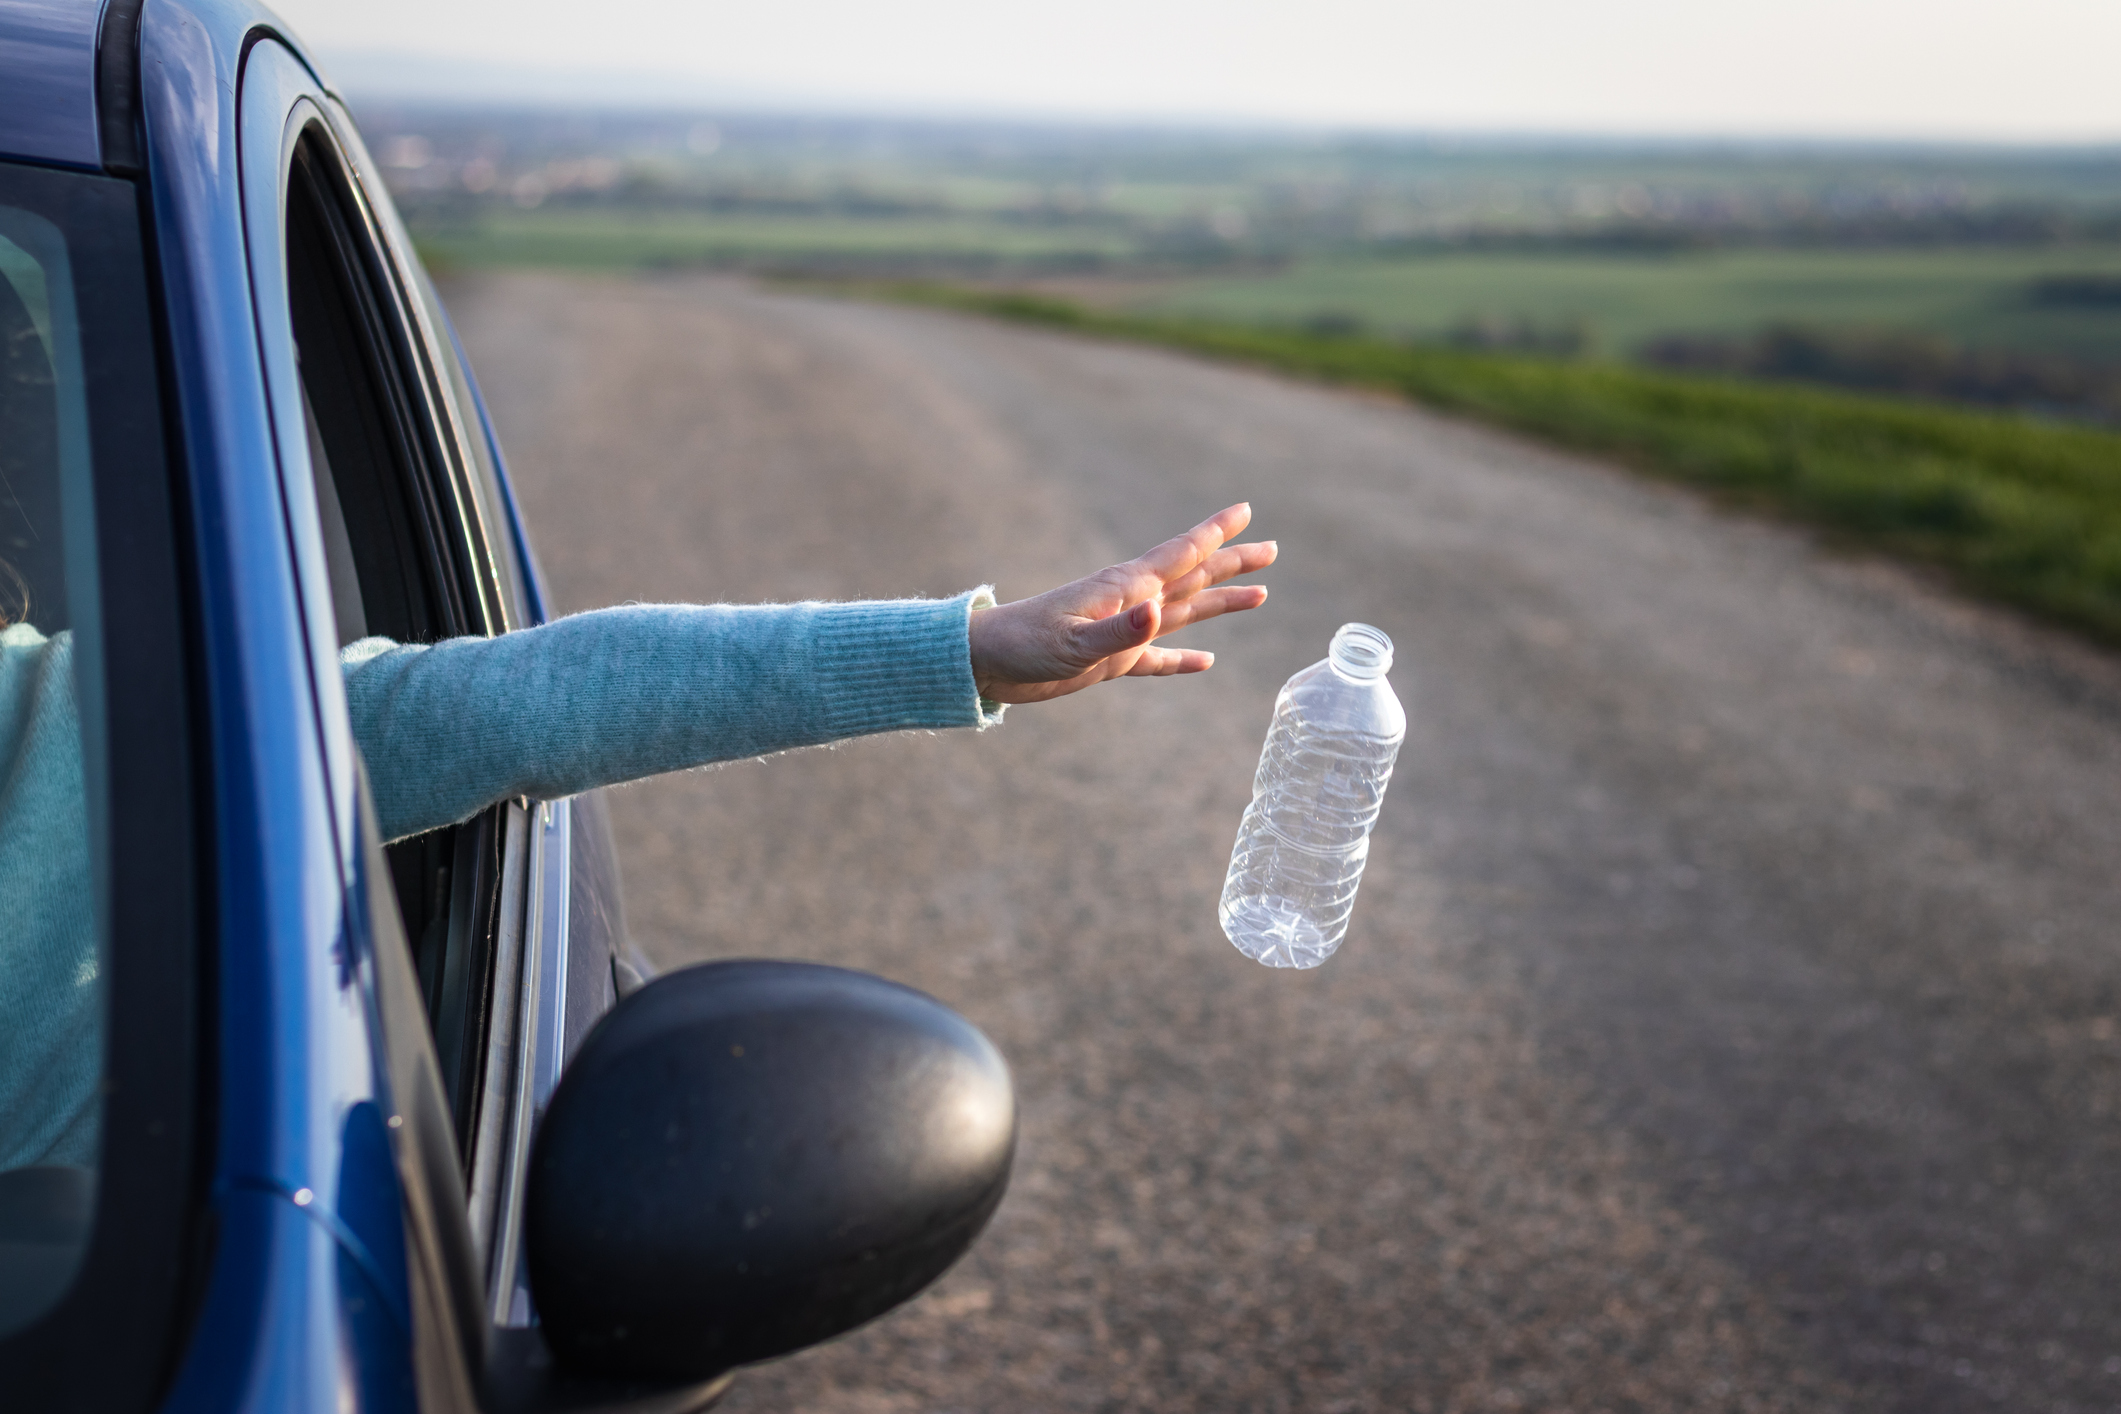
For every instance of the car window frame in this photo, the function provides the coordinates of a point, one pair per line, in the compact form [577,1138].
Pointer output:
[434,451]
[537,999]
[490,944]
[461,882]
[514,859]
[529,1001]
[483,504]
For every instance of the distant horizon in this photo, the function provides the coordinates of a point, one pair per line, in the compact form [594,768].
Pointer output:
[409,78]
[1928,71]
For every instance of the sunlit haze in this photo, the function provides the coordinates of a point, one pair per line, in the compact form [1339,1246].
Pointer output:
[2030,70]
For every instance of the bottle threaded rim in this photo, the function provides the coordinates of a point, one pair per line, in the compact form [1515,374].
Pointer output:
[1360,652]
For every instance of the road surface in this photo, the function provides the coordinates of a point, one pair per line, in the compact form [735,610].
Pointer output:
[1729,1018]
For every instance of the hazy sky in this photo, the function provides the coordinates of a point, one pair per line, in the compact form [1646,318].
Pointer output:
[2007,69]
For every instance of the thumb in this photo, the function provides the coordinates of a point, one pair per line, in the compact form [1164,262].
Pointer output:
[1130,628]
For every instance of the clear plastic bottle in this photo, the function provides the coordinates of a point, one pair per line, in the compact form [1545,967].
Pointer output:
[1306,835]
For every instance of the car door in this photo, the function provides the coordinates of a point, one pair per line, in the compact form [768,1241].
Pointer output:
[403,529]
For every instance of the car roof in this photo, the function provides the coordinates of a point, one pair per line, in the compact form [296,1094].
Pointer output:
[49,109]
[48,81]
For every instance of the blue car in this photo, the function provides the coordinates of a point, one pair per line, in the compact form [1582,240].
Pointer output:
[368,1127]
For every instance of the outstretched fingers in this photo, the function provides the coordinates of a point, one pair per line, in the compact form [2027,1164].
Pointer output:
[1168,662]
[1226,563]
[1211,604]
[1182,553]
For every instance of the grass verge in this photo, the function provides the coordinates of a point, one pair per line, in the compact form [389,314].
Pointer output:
[2024,512]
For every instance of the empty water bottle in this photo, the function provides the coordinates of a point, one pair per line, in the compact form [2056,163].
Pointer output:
[1306,835]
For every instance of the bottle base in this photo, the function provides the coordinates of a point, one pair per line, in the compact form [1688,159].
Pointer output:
[1275,932]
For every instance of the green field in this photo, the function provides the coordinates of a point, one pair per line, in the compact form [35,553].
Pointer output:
[606,238]
[1387,260]
[1596,248]
[2019,511]
[1976,297]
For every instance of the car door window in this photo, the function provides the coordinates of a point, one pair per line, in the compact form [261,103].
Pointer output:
[97,979]
[54,949]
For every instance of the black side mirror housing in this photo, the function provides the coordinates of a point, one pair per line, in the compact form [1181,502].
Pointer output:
[747,1158]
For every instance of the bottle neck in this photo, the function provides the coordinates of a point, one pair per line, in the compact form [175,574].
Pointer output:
[1360,653]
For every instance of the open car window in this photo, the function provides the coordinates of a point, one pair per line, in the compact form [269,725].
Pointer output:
[382,488]
[401,566]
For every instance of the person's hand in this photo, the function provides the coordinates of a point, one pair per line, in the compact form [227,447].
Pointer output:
[1103,626]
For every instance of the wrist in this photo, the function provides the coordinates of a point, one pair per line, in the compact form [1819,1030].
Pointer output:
[979,654]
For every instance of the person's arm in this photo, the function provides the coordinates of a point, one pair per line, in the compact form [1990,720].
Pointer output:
[618,694]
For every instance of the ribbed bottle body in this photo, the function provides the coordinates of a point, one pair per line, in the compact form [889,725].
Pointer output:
[1321,781]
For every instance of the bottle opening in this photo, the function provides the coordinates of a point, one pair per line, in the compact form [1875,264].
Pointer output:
[1361,652]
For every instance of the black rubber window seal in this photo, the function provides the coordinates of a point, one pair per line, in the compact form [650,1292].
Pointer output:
[118,89]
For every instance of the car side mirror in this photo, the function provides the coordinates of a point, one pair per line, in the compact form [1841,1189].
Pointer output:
[747,1158]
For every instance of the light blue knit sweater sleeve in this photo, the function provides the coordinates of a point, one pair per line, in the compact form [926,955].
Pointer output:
[447,729]
[617,694]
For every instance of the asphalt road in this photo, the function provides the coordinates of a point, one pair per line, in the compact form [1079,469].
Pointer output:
[1731,1017]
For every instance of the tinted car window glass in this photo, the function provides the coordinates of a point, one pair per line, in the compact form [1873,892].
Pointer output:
[100,824]
[52,946]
